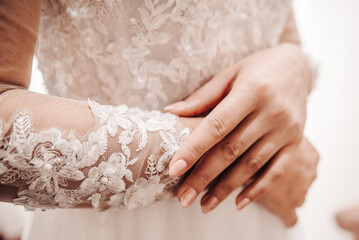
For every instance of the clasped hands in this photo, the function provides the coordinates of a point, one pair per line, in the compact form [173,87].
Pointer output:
[253,135]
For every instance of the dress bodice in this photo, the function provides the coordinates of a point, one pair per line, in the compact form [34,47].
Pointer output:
[149,53]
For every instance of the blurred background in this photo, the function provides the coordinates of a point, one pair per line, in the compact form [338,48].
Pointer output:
[330,33]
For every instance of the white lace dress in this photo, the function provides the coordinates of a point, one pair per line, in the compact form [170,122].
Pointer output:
[130,59]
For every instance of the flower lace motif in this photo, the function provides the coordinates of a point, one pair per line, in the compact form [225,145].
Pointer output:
[149,53]
[53,168]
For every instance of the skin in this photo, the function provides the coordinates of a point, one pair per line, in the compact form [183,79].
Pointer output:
[290,191]
[348,219]
[269,86]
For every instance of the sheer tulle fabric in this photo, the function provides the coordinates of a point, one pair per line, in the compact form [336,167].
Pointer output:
[116,164]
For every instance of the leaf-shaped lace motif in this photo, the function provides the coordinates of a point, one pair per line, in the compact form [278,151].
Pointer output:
[149,53]
[55,169]
[21,128]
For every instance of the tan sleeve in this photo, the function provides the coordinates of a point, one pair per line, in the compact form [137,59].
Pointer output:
[19,22]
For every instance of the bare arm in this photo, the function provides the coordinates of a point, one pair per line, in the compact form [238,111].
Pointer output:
[290,33]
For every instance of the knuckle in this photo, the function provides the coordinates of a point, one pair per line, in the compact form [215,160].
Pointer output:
[200,180]
[217,127]
[253,165]
[295,127]
[294,203]
[277,174]
[260,85]
[231,150]
[257,193]
[224,189]
[195,151]
[294,132]
[280,112]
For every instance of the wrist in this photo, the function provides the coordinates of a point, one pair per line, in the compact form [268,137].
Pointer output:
[307,68]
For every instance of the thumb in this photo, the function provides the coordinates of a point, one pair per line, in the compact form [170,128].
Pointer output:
[207,96]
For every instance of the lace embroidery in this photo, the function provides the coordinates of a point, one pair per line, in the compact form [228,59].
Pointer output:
[53,168]
[149,53]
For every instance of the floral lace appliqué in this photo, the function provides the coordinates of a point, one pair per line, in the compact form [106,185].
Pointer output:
[149,53]
[53,168]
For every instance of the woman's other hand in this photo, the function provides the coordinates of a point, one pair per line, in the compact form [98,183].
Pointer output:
[290,191]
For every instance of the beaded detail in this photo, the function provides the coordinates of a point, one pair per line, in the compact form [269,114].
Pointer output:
[53,168]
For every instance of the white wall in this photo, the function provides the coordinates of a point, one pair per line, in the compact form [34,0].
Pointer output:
[330,31]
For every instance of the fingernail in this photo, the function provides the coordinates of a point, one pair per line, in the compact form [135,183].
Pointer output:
[209,204]
[177,168]
[243,203]
[175,105]
[188,197]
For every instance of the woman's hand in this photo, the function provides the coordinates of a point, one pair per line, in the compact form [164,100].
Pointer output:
[259,110]
[290,191]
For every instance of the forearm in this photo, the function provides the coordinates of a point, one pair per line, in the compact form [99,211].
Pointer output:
[47,112]
[290,35]
[66,153]
[290,32]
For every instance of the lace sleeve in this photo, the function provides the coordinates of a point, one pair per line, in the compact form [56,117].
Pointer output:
[122,161]
[60,152]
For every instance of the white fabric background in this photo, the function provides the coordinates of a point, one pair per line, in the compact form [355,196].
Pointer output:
[330,32]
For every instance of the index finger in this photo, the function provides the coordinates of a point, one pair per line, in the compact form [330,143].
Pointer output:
[214,127]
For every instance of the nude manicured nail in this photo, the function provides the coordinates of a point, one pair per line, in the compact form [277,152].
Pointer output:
[243,203]
[188,197]
[210,204]
[177,168]
[174,106]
